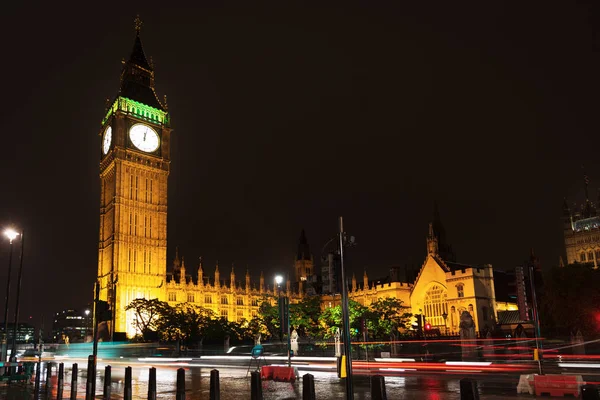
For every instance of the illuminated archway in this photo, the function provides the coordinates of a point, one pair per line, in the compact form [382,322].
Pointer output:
[435,305]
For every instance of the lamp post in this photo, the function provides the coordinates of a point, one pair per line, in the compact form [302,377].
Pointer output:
[11,234]
[87,322]
[346,316]
[284,304]
[13,351]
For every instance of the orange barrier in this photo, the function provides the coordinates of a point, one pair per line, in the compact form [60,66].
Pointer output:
[557,385]
[281,374]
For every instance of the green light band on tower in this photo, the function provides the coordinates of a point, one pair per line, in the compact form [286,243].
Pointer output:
[138,109]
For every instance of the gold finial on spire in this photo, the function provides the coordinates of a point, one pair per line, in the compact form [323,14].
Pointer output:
[138,24]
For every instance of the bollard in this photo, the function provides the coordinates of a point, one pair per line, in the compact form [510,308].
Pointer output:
[107,382]
[256,386]
[180,384]
[48,378]
[61,377]
[38,371]
[589,392]
[152,384]
[215,389]
[468,389]
[127,389]
[308,387]
[378,388]
[90,382]
[74,372]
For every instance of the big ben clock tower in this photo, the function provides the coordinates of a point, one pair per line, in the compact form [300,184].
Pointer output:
[134,169]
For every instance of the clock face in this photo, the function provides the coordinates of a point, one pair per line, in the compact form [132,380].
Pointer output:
[106,140]
[144,138]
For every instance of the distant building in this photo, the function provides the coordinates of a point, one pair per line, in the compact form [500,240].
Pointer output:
[582,233]
[73,324]
[442,290]
[25,333]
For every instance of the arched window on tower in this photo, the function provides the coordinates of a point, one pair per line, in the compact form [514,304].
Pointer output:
[460,289]
[435,305]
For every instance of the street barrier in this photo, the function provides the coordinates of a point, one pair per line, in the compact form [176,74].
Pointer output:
[557,385]
[152,384]
[180,384]
[256,386]
[61,377]
[215,389]
[468,389]
[48,379]
[90,383]
[127,389]
[74,371]
[107,381]
[308,387]
[378,388]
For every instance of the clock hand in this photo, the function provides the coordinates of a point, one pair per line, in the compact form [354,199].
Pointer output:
[146,131]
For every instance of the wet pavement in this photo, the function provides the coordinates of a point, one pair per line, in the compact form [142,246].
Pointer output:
[235,385]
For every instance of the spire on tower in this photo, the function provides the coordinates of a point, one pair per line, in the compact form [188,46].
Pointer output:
[138,24]
[303,249]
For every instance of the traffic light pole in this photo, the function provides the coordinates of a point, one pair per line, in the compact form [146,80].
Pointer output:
[346,319]
[95,319]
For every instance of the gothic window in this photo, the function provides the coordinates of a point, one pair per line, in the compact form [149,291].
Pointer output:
[190,298]
[172,296]
[224,300]
[150,191]
[240,316]
[144,264]
[149,261]
[147,191]
[254,314]
[130,187]
[254,302]
[136,187]
[208,299]
[150,227]
[240,301]
[134,259]
[435,305]
[471,310]
[135,224]
[129,260]
[224,313]
[130,223]
[460,288]
[145,226]
[590,256]
[582,257]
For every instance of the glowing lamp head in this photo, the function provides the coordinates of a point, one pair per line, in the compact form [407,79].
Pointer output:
[11,234]
[278,279]
[427,326]
[87,312]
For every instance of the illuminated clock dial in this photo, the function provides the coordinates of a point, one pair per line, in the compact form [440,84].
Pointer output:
[107,139]
[144,138]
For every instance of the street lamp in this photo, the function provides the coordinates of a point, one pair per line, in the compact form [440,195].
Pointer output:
[13,352]
[11,234]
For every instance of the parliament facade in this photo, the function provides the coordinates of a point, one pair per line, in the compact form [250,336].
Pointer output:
[134,168]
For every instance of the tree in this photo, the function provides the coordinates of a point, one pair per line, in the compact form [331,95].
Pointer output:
[304,317]
[332,318]
[147,315]
[185,322]
[269,316]
[386,317]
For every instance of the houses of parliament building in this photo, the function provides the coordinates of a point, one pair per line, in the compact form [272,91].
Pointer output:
[135,160]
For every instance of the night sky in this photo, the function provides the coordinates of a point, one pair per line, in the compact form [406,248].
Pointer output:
[287,117]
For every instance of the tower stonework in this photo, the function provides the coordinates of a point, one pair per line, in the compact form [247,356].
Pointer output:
[134,169]
[304,265]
